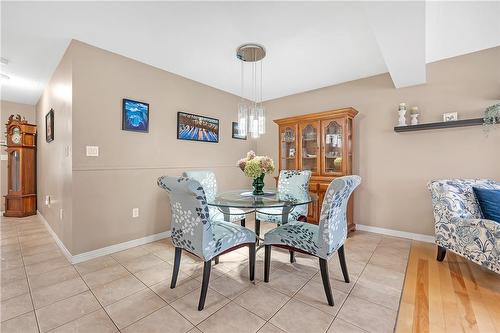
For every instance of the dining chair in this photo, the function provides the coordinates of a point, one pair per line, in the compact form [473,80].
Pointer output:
[194,231]
[318,240]
[209,182]
[290,182]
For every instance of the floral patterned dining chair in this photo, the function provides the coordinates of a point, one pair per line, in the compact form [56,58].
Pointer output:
[194,230]
[459,224]
[209,182]
[321,240]
[290,182]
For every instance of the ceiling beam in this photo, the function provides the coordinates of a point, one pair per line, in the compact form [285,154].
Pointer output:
[399,28]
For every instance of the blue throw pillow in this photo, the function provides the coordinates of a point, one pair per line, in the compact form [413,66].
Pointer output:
[489,201]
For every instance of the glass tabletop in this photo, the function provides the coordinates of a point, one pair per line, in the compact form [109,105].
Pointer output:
[245,199]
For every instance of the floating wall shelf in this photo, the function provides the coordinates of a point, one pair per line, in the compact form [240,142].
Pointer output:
[441,124]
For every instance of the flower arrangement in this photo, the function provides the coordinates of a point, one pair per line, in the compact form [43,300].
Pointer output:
[256,167]
[492,115]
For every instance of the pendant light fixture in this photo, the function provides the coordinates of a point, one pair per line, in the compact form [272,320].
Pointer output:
[251,113]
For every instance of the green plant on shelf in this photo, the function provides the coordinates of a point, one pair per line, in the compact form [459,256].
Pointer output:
[491,115]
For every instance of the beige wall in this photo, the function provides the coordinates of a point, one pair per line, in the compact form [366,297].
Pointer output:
[106,188]
[7,109]
[396,167]
[54,175]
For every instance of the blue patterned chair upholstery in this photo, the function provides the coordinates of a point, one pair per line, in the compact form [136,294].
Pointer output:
[318,240]
[459,224]
[209,182]
[193,229]
[294,183]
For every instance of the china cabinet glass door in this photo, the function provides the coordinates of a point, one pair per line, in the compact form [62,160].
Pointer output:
[288,147]
[333,145]
[309,159]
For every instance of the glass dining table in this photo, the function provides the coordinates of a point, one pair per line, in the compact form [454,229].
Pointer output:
[249,203]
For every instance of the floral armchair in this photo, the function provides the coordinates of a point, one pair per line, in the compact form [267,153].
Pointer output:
[459,224]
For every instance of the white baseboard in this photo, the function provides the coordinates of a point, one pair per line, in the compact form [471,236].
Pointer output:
[75,259]
[396,233]
[59,243]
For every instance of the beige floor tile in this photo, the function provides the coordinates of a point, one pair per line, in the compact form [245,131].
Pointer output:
[270,328]
[158,247]
[27,251]
[336,282]
[14,288]
[129,254]
[13,262]
[391,262]
[95,322]
[10,248]
[194,330]
[232,318]
[164,320]
[41,257]
[134,307]
[354,268]
[15,306]
[37,242]
[8,234]
[157,273]
[56,292]
[188,305]
[166,255]
[383,276]
[105,275]
[25,323]
[230,287]
[116,290]
[95,264]
[183,287]
[377,293]
[13,274]
[33,236]
[141,263]
[262,300]
[299,317]
[67,310]
[340,326]
[313,294]
[49,278]
[367,315]
[285,282]
[304,267]
[47,266]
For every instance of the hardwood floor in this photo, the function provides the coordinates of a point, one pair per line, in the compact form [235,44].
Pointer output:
[455,295]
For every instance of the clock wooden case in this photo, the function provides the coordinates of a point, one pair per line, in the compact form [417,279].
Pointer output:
[323,143]
[20,200]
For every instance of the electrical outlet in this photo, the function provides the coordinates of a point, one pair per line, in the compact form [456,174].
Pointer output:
[135,212]
[47,200]
[92,151]
[60,214]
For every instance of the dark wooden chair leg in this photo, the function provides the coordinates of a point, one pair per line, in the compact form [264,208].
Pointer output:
[343,264]
[257,229]
[177,263]
[251,259]
[243,223]
[216,260]
[204,285]
[441,253]
[323,265]
[292,256]
[267,262]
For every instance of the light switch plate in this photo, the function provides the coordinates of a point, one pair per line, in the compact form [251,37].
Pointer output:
[92,151]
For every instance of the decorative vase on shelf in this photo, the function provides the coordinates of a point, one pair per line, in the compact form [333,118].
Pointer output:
[402,113]
[258,185]
[414,118]
[256,167]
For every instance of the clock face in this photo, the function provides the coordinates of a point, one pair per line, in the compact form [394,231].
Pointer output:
[16,136]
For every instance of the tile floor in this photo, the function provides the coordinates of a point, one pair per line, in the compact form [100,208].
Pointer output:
[129,291]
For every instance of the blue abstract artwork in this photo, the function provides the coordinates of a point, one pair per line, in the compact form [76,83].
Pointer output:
[197,128]
[135,116]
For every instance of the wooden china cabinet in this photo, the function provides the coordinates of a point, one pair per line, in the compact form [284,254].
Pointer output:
[20,200]
[320,142]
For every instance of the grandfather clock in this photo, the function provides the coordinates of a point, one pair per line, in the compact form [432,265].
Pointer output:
[20,200]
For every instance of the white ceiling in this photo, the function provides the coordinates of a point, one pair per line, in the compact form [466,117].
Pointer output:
[309,45]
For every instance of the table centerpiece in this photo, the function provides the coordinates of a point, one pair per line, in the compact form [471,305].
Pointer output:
[256,167]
